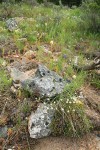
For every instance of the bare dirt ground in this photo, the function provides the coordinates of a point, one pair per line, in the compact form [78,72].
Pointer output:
[88,142]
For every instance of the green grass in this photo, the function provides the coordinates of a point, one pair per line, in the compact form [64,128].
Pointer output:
[5,81]
[41,26]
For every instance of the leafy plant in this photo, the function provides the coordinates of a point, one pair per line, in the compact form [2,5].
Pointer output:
[7,10]
[90,16]
[69,118]
[5,81]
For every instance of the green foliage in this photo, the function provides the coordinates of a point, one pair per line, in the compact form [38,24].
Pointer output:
[30,2]
[70,118]
[91,16]
[56,29]
[33,2]
[75,84]
[7,10]
[5,81]
[95,80]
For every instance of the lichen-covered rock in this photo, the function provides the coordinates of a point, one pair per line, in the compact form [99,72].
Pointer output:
[39,122]
[38,80]
[21,70]
[11,24]
[45,83]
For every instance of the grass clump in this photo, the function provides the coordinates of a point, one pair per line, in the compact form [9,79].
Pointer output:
[69,118]
[90,16]
[95,80]
[5,81]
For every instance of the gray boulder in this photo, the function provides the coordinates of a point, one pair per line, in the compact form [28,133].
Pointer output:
[39,122]
[11,24]
[37,79]
[44,83]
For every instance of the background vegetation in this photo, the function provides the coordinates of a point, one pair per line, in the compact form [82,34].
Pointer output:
[67,33]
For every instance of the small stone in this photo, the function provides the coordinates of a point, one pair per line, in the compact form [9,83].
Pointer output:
[29,54]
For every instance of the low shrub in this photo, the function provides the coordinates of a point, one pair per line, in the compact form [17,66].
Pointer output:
[5,81]
[69,118]
[90,16]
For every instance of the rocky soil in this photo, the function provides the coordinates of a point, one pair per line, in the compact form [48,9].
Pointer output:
[19,117]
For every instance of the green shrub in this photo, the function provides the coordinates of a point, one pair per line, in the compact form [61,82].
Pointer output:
[6,10]
[5,81]
[69,118]
[91,16]
[30,2]
[94,79]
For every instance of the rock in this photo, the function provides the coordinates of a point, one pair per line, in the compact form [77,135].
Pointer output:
[16,75]
[11,24]
[21,70]
[36,79]
[29,54]
[45,83]
[39,122]
[3,131]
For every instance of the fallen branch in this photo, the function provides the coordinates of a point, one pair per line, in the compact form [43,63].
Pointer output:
[92,66]
[91,54]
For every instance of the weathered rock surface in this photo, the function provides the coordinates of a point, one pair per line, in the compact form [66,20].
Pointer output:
[45,83]
[37,79]
[22,70]
[39,122]
[11,24]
